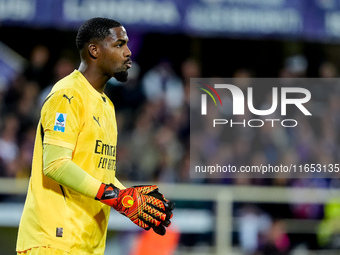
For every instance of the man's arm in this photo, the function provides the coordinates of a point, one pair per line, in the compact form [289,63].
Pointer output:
[118,184]
[58,165]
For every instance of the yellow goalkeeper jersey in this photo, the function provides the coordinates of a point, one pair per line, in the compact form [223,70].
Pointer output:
[77,117]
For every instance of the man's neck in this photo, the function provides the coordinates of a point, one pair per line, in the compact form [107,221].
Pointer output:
[94,77]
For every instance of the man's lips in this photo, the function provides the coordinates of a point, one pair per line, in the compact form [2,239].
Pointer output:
[128,63]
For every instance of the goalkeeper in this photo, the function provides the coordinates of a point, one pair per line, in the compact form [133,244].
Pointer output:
[73,184]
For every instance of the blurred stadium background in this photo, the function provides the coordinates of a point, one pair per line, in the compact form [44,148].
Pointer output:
[173,41]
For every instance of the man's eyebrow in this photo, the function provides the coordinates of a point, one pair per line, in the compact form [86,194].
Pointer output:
[121,40]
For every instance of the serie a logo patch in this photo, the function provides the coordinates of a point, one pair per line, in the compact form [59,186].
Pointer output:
[60,122]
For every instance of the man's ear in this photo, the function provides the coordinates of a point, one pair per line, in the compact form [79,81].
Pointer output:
[93,51]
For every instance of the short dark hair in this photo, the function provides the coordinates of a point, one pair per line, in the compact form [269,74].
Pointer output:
[95,28]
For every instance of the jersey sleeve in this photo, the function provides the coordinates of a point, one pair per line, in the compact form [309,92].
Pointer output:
[61,118]
[57,165]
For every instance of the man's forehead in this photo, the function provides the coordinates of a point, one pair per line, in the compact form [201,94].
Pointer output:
[118,33]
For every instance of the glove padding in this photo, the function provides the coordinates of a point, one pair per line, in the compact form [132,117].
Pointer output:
[169,206]
[140,204]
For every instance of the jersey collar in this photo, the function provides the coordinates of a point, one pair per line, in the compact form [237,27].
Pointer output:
[89,87]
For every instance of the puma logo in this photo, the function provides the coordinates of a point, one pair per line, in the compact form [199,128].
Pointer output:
[97,120]
[69,99]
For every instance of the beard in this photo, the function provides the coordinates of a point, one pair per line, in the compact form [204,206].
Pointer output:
[121,76]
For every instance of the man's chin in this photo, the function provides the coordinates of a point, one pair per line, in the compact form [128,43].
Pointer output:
[121,76]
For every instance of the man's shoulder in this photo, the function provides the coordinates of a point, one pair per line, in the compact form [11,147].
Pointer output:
[70,81]
[69,84]
[68,87]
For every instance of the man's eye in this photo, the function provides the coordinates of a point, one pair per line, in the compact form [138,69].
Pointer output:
[120,45]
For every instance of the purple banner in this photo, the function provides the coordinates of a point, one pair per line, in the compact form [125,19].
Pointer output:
[306,19]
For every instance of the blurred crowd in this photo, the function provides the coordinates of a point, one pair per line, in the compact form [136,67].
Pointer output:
[153,118]
[20,105]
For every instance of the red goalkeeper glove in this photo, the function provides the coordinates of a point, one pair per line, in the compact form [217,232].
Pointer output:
[139,204]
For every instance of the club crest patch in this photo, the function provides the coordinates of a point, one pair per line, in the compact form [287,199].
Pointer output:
[60,122]
[59,232]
